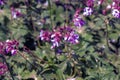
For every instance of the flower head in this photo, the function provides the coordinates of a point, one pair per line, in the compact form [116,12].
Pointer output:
[72,38]
[88,11]
[116,13]
[11,46]
[55,39]
[45,35]
[78,22]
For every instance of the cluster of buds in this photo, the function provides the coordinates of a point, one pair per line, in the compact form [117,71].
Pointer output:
[62,34]
[10,46]
[3,68]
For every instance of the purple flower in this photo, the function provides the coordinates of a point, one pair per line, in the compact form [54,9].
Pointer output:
[116,13]
[2,2]
[55,39]
[72,38]
[11,46]
[87,11]
[45,35]
[78,22]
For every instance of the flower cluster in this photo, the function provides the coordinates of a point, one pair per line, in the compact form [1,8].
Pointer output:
[55,39]
[3,68]
[62,34]
[72,38]
[115,8]
[77,20]
[116,13]
[45,35]
[10,46]
[89,9]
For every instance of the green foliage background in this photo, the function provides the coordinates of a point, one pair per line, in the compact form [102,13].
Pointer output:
[95,57]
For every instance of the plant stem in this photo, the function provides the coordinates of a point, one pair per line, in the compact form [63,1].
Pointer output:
[107,36]
[28,60]
[66,13]
[50,13]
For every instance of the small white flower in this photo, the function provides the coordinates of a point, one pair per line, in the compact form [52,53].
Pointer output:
[116,13]
[109,7]
[13,51]
[87,11]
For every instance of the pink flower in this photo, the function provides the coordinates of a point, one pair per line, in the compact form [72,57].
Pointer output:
[56,37]
[77,13]
[11,46]
[45,35]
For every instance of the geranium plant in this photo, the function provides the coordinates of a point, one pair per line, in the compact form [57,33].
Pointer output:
[59,39]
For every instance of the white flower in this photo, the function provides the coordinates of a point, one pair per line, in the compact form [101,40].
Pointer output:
[109,7]
[87,11]
[116,13]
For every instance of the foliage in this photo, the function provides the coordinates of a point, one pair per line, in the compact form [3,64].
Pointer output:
[95,57]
